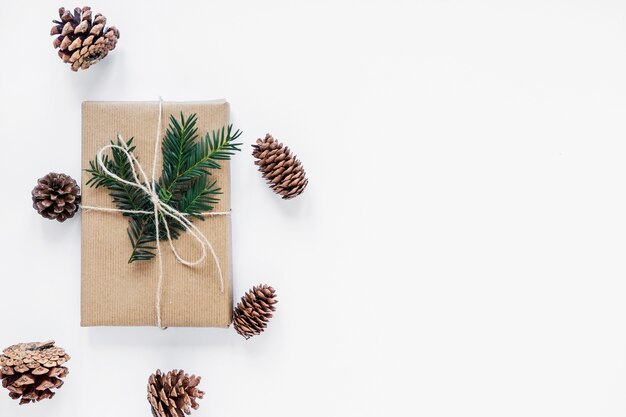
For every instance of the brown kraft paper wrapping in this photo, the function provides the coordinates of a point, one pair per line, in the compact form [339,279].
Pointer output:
[116,293]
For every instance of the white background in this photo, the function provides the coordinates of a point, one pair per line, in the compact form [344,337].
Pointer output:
[460,248]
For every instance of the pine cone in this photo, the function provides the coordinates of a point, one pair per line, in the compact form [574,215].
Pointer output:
[56,196]
[31,370]
[282,170]
[174,393]
[254,311]
[83,41]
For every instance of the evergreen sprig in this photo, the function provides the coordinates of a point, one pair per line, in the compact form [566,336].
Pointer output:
[185,182]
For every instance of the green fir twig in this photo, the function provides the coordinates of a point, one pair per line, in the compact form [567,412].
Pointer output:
[184,184]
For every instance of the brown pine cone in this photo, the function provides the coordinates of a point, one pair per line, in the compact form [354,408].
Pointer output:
[31,370]
[282,170]
[56,196]
[254,311]
[83,41]
[174,393]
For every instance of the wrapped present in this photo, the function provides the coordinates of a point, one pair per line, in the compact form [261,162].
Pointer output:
[182,279]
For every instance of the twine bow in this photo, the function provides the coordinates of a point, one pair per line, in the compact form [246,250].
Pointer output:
[161,208]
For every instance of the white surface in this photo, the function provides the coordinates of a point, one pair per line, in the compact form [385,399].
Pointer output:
[459,250]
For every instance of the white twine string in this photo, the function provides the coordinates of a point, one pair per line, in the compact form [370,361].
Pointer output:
[160,208]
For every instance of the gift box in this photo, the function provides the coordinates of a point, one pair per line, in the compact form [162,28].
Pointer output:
[115,292]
